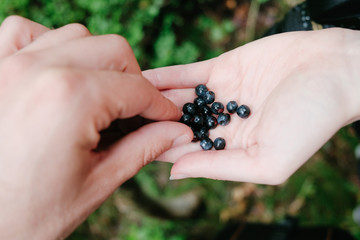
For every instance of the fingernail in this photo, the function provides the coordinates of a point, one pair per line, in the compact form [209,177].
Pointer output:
[183,139]
[178,176]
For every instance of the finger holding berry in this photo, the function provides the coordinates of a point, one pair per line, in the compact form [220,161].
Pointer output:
[57,97]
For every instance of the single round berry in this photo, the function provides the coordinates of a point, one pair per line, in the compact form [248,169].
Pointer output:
[219,143]
[206,110]
[223,119]
[198,121]
[189,108]
[231,106]
[203,133]
[199,102]
[200,90]
[186,119]
[243,111]
[206,144]
[217,107]
[209,97]
[210,122]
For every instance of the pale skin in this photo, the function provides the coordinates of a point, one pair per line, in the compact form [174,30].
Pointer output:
[302,87]
[59,88]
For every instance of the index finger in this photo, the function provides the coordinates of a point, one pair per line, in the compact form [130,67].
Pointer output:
[180,76]
[17,32]
[114,95]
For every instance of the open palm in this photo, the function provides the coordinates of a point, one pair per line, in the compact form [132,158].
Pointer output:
[298,89]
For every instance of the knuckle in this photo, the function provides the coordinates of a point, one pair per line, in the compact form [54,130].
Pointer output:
[60,84]
[14,22]
[118,42]
[78,29]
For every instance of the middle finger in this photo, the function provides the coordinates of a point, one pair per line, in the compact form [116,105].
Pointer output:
[105,52]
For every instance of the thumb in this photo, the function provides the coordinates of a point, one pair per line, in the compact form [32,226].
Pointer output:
[138,148]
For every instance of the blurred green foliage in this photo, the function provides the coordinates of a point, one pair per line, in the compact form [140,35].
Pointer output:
[167,32]
[160,32]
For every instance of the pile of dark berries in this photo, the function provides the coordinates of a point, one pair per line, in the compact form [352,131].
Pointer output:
[205,114]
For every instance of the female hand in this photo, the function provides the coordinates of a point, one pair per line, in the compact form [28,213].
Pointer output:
[301,88]
[58,89]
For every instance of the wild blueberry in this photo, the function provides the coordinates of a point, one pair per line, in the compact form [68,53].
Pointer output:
[231,106]
[196,136]
[206,144]
[194,129]
[189,108]
[198,120]
[210,122]
[186,119]
[217,107]
[243,111]
[223,119]
[199,102]
[202,133]
[206,110]
[219,143]
[209,97]
[200,90]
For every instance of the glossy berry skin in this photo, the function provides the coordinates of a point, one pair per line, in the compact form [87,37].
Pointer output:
[232,106]
[201,134]
[189,108]
[199,102]
[210,122]
[219,143]
[243,111]
[223,119]
[206,110]
[198,121]
[209,97]
[200,90]
[193,129]
[206,144]
[217,107]
[196,136]
[186,119]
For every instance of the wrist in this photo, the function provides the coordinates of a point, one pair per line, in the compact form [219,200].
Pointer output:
[350,77]
[335,65]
